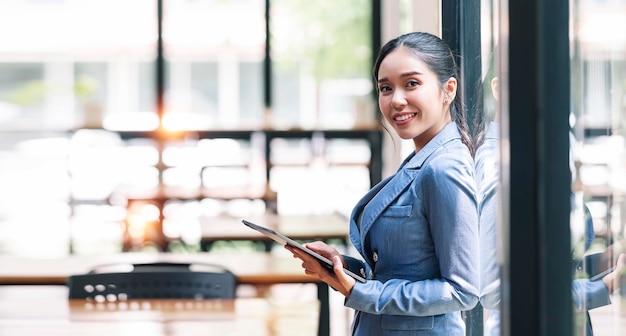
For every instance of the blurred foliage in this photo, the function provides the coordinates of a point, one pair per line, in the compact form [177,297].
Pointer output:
[33,92]
[86,86]
[332,37]
[27,94]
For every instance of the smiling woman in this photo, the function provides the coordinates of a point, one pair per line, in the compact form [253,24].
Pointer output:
[417,230]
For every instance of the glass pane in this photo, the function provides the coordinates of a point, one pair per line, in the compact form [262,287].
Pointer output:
[322,68]
[250,92]
[598,152]
[486,129]
[65,66]
[73,68]
[214,54]
[21,91]
[91,89]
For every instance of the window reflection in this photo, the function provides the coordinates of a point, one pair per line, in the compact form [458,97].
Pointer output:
[486,133]
[598,95]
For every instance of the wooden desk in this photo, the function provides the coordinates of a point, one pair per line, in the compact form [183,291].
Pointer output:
[250,268]
[45,310]
[305,228]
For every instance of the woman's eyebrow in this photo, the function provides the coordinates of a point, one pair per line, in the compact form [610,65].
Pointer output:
[411,73]
[406,74]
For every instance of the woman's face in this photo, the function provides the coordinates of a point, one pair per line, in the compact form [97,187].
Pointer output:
[411,97]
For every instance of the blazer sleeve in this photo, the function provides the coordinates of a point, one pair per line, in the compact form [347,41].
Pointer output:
[588,294]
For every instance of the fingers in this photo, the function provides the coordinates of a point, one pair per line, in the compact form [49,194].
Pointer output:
[347,282]
[309,263]
[621,269]
[296,252]
[336,277]
[292,250]
[316,246]
[616,278]
[621,265]
[338,268]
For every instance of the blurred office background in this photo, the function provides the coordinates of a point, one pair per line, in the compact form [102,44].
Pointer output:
[73,74]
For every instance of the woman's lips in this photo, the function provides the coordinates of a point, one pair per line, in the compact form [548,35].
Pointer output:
[404,118]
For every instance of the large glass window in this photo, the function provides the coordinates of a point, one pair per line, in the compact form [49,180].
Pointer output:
[77,76]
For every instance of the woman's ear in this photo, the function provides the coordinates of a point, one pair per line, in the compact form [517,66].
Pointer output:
[494,88]
[449,89]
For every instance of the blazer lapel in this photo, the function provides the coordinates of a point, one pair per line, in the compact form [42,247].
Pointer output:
[388,194]
[369,208]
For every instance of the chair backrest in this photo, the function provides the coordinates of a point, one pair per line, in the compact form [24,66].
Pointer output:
[154,281]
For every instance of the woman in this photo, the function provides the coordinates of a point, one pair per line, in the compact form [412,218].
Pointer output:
[417,230]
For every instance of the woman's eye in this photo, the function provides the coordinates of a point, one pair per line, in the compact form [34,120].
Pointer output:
[412,83]
[384,89]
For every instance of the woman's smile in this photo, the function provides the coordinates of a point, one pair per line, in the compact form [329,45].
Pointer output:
[403,119]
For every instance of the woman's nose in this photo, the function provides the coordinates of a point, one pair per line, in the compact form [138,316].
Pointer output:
[398,101]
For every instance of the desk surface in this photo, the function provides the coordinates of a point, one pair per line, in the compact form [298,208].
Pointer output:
[314,227]
[45,310]
[255,268]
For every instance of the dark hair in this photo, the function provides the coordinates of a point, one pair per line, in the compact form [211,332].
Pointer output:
[439,58]
[487,112]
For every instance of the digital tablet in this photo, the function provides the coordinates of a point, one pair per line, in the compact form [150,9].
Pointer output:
[602,274]
[284,240]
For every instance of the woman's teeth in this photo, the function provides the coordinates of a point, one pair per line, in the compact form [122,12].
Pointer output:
[405,117]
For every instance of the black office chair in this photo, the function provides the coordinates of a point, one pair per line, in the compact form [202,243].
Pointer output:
[160,280]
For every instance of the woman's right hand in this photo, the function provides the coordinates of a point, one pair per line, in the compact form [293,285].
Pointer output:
[616,278]
[337,278]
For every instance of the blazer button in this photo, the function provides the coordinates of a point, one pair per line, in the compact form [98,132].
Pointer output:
[362,272]
[375,257]
[371,275]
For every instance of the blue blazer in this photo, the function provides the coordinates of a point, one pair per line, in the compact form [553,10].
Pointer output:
[417,232]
